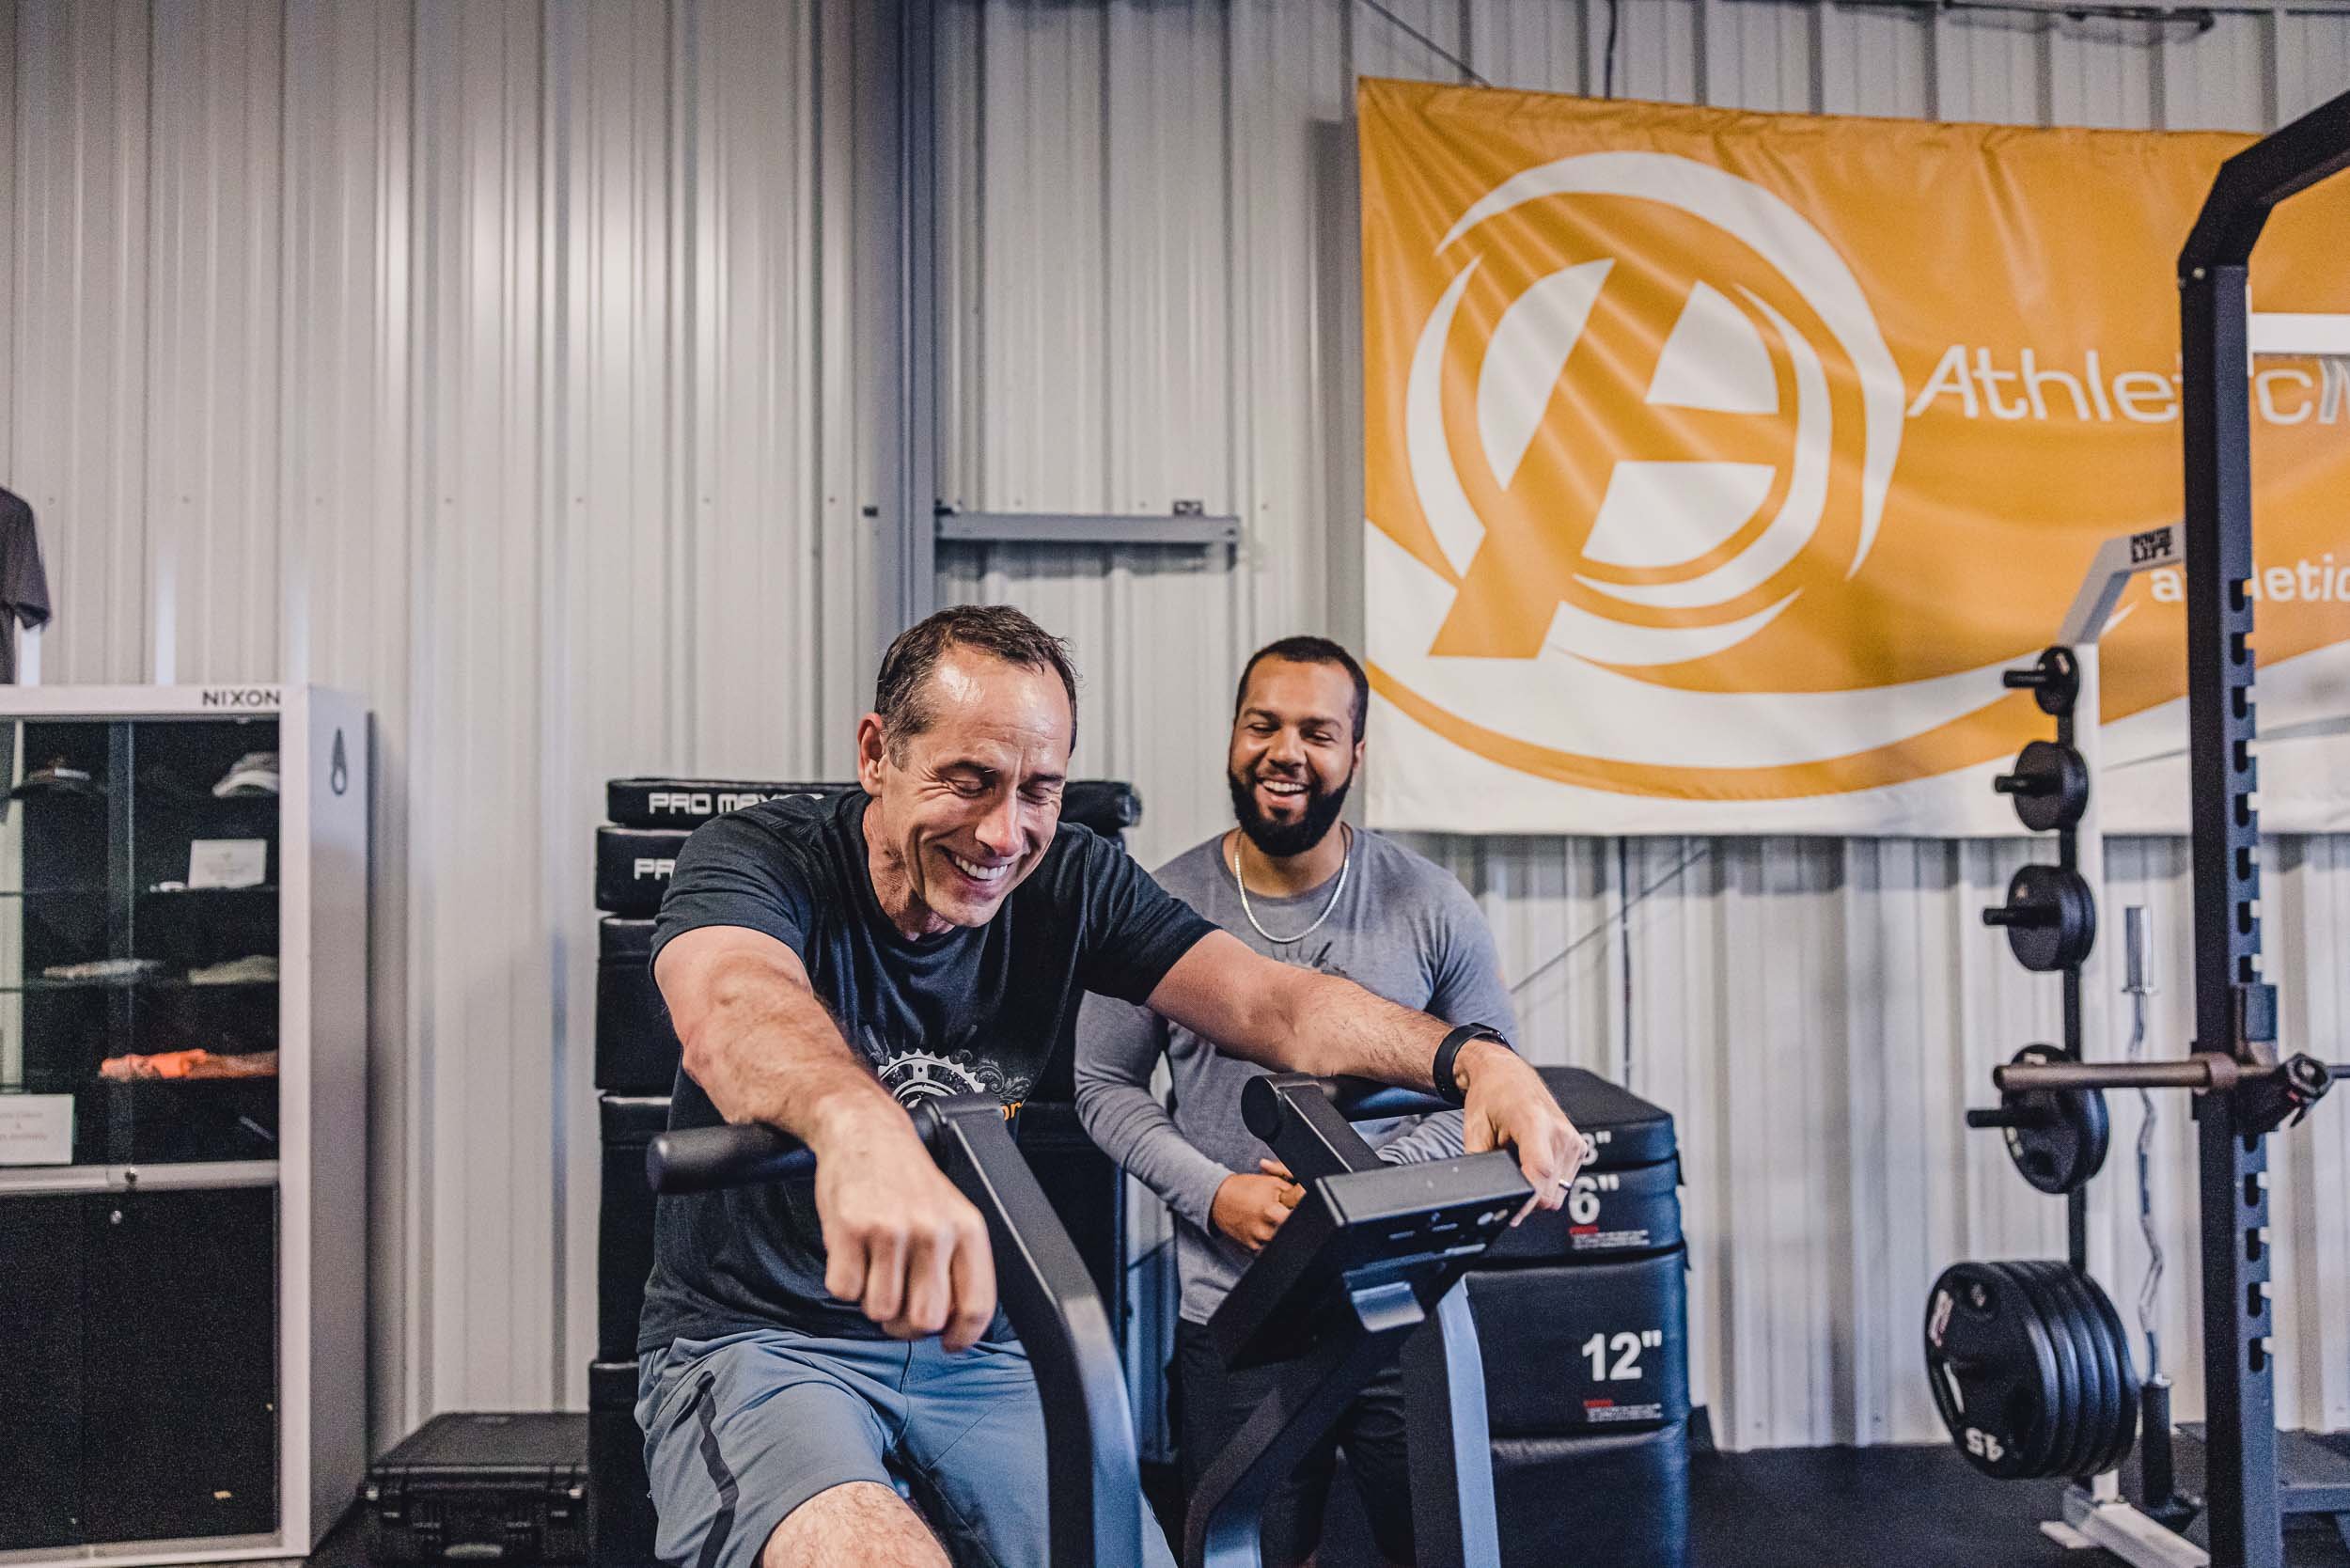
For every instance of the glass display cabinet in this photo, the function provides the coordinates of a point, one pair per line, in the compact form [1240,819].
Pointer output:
[182,1121]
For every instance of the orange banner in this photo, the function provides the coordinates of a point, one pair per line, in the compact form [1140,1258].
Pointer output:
[1716,463]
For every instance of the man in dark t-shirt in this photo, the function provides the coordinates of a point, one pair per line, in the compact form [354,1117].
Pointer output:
[967,1011]
[825,962]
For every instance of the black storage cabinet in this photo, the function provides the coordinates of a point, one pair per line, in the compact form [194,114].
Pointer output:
[139,1396]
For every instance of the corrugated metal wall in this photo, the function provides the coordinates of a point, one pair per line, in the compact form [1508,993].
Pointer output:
[514,366]
[496,362]
[1152,297]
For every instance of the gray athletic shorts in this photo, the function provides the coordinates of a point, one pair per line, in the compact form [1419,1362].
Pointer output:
[741,1431]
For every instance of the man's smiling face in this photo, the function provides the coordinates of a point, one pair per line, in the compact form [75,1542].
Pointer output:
[1292,755]
[965,807]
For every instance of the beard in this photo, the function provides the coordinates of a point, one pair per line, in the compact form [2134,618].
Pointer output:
[1279,840]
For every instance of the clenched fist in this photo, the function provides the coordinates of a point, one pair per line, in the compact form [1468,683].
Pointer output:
[1249,1209]
[902,1243]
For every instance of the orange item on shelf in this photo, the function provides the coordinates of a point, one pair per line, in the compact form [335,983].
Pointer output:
[191,1064]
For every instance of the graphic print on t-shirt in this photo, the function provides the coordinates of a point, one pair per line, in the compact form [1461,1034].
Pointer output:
[917,1073]
[1321,963]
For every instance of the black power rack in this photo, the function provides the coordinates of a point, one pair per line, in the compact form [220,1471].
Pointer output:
[2250,1091]
[1995,1330]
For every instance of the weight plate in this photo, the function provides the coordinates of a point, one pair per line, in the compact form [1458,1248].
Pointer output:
[2097,1132]
[2069,1132]
[2100,1385]
[2050,785]
[2116,1338]
[2060,684]
[2112,1368]
[2051,917]
[2113,1397]
[2066,1399]
[1990,1364]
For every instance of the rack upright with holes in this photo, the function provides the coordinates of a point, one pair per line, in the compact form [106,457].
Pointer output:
[2244,1086]
[184,1013]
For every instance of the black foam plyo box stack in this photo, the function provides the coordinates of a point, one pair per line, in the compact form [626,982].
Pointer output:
[1626,1200]
[620,1505]
[624,1222]
[1582,1319]
[636,1046]
[1612,1500]
[632,867]
[1107,806]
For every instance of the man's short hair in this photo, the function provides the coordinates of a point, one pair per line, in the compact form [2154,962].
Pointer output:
[997,629]
[1310,651]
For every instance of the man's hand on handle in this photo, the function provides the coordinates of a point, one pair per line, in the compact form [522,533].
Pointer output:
[902,1244]
[1509,1105]
[1249,1209]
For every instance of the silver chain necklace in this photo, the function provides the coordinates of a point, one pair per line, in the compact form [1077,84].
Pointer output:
[1343,866]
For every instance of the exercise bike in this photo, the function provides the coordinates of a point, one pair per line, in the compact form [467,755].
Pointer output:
[1369,1256]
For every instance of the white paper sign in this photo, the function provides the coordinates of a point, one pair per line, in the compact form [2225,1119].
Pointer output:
[36,1129]
[227,862]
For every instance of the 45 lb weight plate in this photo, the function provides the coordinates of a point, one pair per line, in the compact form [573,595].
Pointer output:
[1990,1362]
[2029,1369]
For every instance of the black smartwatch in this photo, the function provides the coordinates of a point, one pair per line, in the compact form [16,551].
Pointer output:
[1447,1053]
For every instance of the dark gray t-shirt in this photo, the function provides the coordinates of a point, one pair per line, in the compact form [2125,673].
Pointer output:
[1402,928]
[972,1012]
[24,586]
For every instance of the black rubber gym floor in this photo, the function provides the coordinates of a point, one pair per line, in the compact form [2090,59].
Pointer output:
[1808,1508]
[1893,1507]
[1870,1508]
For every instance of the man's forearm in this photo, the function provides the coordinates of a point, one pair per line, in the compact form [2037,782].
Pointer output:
[1298,1021]
[765,1050]
[1355,1033]
[1134,1129]
[1335,1026]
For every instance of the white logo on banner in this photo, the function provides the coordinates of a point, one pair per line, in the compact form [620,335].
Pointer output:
[1658,515]
[1665,513]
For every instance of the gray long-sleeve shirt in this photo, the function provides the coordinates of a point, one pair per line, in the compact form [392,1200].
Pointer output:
[1402,928]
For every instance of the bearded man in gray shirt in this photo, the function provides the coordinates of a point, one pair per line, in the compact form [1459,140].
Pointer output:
[1296,885]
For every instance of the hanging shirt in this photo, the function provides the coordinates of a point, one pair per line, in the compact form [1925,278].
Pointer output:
[24,586]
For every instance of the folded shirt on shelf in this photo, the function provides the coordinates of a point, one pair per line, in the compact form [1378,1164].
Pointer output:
[237,971]
[191,1064]
[104,969]
[254,774]
[59,777]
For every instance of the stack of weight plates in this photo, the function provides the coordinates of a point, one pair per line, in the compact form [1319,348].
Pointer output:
[2031,1368]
